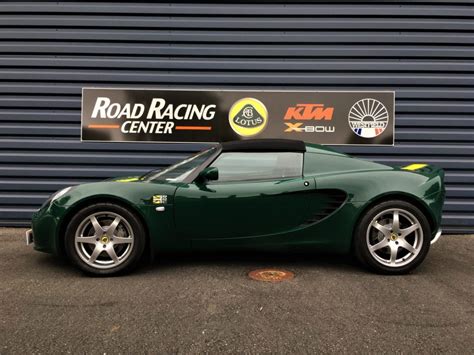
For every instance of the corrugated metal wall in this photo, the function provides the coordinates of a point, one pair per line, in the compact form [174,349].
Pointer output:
[421,49]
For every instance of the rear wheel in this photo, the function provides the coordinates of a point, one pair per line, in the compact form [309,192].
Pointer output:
[393,237]
[105,239]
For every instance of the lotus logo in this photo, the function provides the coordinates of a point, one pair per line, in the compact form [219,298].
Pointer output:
[248,117]
[368,118]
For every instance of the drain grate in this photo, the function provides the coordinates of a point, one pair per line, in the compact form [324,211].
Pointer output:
[271,275]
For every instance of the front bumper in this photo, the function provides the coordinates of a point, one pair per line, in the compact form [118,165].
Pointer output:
[437,236]
[29,236]
[44,225]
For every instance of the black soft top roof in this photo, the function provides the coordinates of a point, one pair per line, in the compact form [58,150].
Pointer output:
[264,145]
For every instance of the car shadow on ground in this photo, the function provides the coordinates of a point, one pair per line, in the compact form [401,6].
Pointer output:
[255,259]
[217,260]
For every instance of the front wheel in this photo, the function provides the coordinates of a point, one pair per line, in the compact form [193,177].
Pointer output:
[105,239]
[393,237]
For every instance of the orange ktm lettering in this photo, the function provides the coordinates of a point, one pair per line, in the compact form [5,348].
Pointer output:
[306,112]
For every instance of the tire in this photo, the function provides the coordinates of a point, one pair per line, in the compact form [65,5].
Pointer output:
[97,249]
[387,249]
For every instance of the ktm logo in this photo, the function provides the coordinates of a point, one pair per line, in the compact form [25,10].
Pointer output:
[306,112]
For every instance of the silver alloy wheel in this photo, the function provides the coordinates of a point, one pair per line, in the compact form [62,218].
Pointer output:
[104,240]
[394,237]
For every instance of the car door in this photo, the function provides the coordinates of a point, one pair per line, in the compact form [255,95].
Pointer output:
[257,194]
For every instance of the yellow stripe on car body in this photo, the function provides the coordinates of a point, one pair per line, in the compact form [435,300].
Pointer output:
[413,167]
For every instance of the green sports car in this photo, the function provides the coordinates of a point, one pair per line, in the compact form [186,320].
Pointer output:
[251,194]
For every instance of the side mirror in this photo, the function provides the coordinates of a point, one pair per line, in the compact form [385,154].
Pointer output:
[208,174]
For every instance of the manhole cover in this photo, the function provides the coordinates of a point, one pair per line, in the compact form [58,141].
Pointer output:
[271,275]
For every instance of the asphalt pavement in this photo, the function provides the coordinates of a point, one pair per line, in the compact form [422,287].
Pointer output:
[207,304]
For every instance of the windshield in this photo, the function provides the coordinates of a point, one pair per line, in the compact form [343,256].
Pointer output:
[179,171]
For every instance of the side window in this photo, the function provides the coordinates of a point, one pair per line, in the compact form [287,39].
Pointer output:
[242,166]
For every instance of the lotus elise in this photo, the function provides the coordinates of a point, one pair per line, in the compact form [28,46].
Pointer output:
[251,194]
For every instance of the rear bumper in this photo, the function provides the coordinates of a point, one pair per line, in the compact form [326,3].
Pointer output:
[437,236]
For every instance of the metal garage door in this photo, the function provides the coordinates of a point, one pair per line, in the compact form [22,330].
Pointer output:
[421,49]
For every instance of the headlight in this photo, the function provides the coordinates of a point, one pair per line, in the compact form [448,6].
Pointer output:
[55,196]
[59,193]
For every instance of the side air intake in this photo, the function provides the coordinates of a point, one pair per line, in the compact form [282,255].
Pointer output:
[326,203]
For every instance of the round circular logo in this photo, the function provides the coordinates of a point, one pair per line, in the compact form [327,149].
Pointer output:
[368,118]
[248,117]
